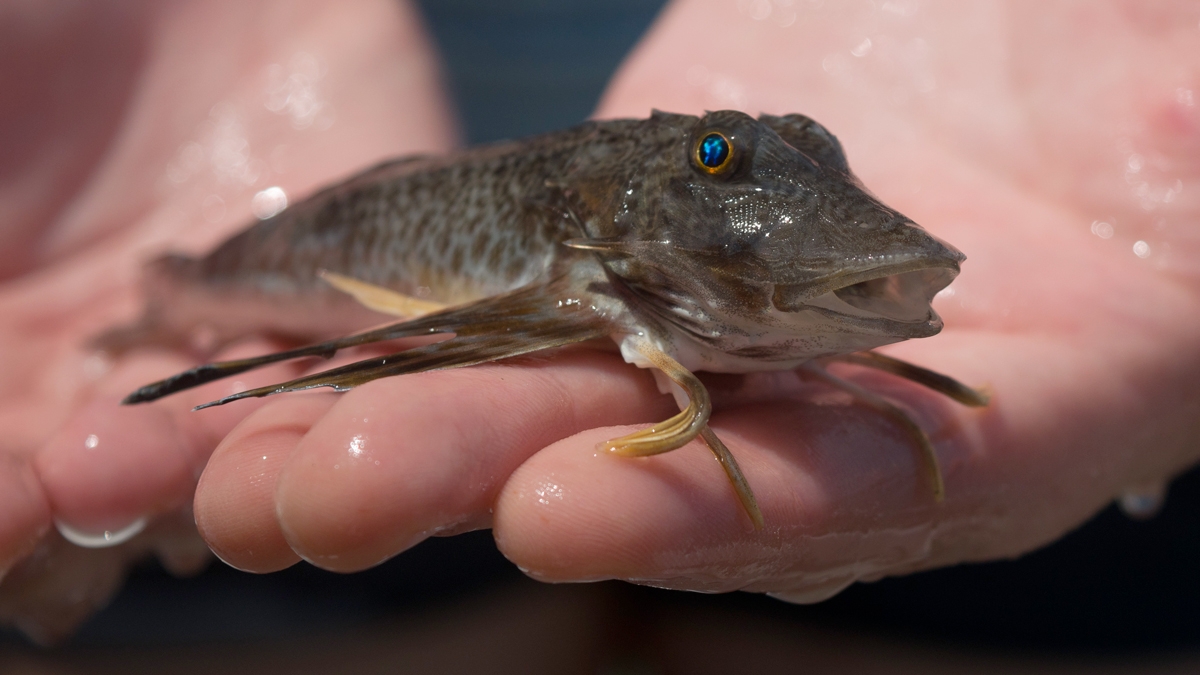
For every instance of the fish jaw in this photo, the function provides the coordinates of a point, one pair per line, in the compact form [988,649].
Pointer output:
[892,299]
[869,302]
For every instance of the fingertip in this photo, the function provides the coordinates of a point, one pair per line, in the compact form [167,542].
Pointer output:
[576,513]
[349,497]
[402,459]
[24,511]
[110,466]
[841,497]
[235,505]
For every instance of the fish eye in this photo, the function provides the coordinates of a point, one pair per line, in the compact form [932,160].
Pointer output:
[713,153]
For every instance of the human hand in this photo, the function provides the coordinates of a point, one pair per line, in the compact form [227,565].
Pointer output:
[1007,131]
[135,129]
[1057,145]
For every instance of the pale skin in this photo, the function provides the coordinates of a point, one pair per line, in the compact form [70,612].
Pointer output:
[1016,132]
[91,191]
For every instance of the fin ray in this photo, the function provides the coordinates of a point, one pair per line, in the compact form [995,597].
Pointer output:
[525,320]
[943,384]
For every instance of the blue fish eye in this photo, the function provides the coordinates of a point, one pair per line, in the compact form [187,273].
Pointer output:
[713,152]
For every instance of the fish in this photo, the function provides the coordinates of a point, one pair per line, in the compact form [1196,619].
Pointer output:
[718,243]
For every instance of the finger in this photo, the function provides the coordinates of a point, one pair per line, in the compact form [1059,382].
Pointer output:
[111,467]
[840,490]
[178,546]
[235,500]
[56,588]
[51,592]
[24,511]
[400,459]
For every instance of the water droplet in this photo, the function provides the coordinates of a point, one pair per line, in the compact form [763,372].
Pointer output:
[1102,229]
[268,202]
[1141,249]
[91,441]
[293,91]
[103,539]
[862,49]
[547,491]
[1143,501]
[96,366]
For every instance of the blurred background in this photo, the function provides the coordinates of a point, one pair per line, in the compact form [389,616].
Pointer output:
[1118,594]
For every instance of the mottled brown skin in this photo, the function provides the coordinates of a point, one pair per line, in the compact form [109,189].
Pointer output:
[615,213]
[767,257]
[680,245]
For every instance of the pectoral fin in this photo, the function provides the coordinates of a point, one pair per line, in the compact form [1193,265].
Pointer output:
[523,321]
[380,299]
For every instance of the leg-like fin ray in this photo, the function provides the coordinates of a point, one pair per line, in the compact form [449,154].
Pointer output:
[211,372]
[740,486]
[896,414]
[456,352]
[942,384]
[679,430]
[520,322]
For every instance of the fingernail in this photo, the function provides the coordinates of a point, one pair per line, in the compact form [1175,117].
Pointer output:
[102,539]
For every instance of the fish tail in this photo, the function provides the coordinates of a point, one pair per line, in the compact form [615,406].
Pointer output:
[162,279]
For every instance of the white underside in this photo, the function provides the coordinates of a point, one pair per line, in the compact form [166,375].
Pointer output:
[796,337]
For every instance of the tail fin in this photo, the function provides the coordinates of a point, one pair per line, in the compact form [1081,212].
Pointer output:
[161,280]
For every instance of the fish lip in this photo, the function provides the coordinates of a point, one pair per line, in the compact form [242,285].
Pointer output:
[897,303]
[865,269]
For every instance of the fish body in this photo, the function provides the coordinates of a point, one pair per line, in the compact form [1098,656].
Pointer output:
[717,243]
[778,260]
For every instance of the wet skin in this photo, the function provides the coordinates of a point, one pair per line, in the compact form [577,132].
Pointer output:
[70,270]
[1088,347]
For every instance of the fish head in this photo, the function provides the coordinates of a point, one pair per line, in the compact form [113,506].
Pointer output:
[758,227]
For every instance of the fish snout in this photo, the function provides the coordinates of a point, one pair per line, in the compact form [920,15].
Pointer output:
[886,288]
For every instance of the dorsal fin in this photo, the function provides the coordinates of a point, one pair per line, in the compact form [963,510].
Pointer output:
[809,137]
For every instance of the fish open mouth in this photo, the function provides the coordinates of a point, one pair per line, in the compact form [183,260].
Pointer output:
[899,297]
[902,297]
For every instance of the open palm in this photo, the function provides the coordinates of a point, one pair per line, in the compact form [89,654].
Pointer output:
[973,121]
[1056,147]
[143,128]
